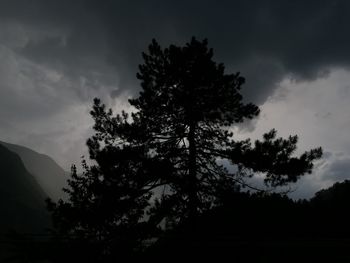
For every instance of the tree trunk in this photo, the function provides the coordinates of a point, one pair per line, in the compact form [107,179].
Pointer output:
[192,180]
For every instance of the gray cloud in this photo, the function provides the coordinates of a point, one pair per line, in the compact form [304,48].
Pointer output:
[57,55]
[338,170]
[264,40]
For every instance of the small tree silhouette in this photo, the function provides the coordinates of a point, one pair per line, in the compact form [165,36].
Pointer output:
[169,149]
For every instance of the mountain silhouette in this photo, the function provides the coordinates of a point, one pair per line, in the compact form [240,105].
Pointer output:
[22,201]
[50,176]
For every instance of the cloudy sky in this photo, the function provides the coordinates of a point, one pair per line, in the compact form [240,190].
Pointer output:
[57,55]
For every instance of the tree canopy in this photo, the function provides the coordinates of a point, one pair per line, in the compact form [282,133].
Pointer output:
[162,164]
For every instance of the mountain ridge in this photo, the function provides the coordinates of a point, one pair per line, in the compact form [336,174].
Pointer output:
[50,176]
[22,200]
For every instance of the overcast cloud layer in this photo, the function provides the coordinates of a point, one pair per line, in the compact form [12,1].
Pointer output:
[56,56]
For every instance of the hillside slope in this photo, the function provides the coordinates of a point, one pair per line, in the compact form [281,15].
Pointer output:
[50,176]
[22,201]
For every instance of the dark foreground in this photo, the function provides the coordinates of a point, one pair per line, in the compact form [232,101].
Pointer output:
[244,228]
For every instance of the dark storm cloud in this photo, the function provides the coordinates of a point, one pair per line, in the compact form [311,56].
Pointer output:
[265,40]
[56,55]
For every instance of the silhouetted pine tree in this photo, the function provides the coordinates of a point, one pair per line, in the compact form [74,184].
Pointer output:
[107,203]
[186,109]
[169,149]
